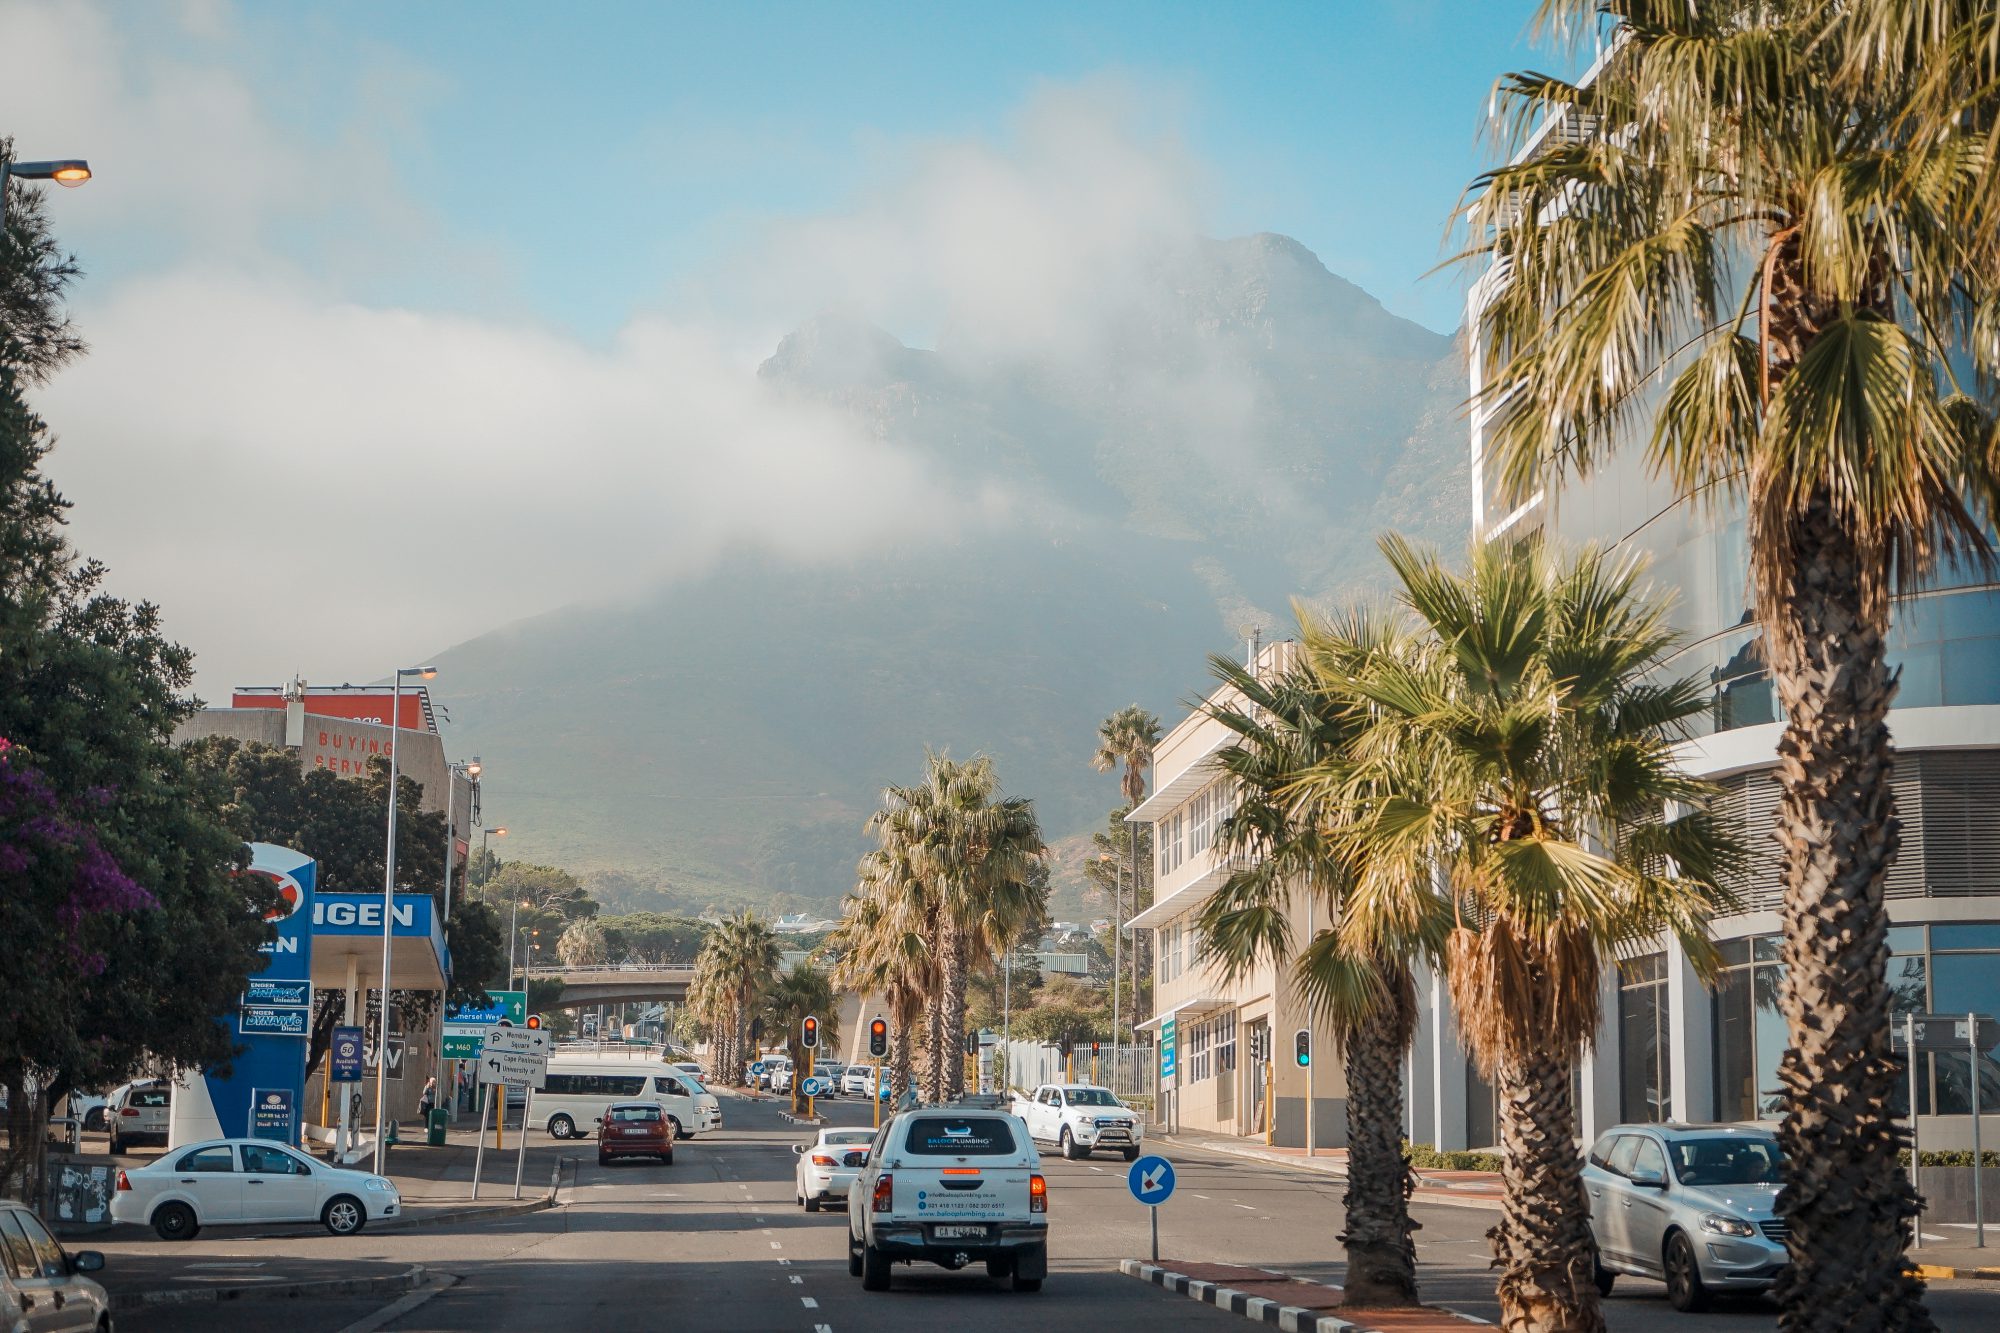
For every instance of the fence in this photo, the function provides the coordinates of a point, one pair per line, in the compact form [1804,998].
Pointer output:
[1126,1070]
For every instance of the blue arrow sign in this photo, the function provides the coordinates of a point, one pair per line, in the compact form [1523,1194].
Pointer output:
[814,1087]
[1151,1180]
[756,1066]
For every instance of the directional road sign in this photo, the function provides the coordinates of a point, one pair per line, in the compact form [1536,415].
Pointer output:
[756,1066]
[1151,1180]
[815,1086]
[518,1057]
[519,1041]
[1946,1032]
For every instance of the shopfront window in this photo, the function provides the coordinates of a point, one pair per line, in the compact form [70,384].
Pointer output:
[1645,1072]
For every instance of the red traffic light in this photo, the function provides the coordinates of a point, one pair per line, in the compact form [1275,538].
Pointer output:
[878,1038]
[809,1032]
[534,1020]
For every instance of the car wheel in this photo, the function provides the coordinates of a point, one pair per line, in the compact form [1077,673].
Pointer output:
[561,1127]
[1000,1265]
[1685,1291]
[1026,1284]
[668,1160]
[1603,1276]
[675,1126]
[602,1160]
[874,1269]
[343,1215]
[853,1257]
[1131,1154]
[812,1204]
[175,1221]
[1069,1152]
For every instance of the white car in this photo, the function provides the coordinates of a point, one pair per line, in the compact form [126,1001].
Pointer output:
[233,1182]
[951,1185]
[829,1072]
[828,1164]
[781,1077]
[1080,1118]
[858,1081]
[42,1285]
[137,1113]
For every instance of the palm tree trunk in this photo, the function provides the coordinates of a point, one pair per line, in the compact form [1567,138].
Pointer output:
[1542,1245]
[933,1073]
[1381,1258]
[951,967]
[1846,1199]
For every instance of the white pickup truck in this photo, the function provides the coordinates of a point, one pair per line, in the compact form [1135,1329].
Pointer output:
[1079,1118]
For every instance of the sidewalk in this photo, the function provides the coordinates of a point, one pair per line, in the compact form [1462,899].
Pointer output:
[1452,1189]
[1293,1304]
[1936,1262]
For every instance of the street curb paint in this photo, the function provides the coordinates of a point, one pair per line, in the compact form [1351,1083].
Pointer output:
[1940,1273]
[1444,1196]
[274,1291]
[452,1215]
[1262,1310]
[395,1310]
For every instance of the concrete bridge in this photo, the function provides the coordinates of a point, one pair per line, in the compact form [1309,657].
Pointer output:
[629,984]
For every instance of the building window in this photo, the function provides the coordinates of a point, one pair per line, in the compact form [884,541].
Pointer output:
[1645,1072]
[1199,1037]
[1225,1043]
[1170,832]
[1749,1030]
[1171,939]
[1962,969]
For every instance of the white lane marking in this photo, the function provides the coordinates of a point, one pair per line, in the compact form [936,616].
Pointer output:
[798,1281]
[809,1302]
[1244,1206]
[822,1328]
[1098,1169]
[776,1246]
[784,1261]
[1203,1196]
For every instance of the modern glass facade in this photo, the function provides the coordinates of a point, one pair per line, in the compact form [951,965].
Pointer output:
[1645,1064]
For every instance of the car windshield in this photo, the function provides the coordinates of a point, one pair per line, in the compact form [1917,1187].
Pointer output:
[960,1136]
[1090,1097]
[634,1113]
[1726,1161]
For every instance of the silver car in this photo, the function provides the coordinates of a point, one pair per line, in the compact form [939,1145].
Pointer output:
[1694,1205]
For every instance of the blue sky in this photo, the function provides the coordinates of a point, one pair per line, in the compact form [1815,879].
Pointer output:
[605,155]
[368,265]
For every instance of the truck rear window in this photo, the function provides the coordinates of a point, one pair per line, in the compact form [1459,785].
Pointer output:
[960,1136]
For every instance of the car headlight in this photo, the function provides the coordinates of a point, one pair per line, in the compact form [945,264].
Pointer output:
[377,1183]
[1725,1225]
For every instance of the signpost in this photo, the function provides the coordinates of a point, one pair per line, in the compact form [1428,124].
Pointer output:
[347,1044]
[1942,1034]
[274,1115]
[1151,1180]
[518,1058]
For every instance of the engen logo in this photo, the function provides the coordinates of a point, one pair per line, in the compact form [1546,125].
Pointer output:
[290,896]
[359,914]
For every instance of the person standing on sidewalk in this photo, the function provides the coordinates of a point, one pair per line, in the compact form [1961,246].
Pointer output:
[428,1102]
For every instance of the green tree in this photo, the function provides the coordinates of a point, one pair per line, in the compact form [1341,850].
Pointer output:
[582,944]
[1519,752]
[802,992]
[1287,726]
[736,967]
[1787,214]
[882,945]
[1125,742]
[654,937]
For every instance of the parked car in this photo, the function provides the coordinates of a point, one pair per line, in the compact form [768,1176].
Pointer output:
[137,1113]
[1694,1205]
[827,1165]
[1079,1119]
[42,1286]
[858,1081]
[829,1072]
[225,1182]
[950,1185]
[781,1077]
[635,1129]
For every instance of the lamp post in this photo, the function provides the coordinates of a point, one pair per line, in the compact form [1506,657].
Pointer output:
[68,172]
[471,770]
[389,905]
[513,937]
[500,832]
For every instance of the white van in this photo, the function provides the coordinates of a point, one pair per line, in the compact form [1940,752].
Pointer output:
[581,1086]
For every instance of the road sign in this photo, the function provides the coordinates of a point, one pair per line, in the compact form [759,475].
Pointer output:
[1166,1049]
[347,1055]
[462,1041]
[513,1069]
[1151,1180]
[1946,1032]
[519,1041]
[815,1087]
[511,1005]
[756,1066]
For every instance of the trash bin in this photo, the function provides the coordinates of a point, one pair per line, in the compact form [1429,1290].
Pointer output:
[439,1118]
[391,1136]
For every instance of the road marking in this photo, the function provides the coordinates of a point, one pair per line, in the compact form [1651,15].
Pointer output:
[1244,1206]
[1098,1169]
[809,1302]
[822,1328]
[776,1246]
[798,1281]
[249,1263]
[1204,1196]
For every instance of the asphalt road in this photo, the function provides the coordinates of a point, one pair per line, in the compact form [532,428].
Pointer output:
[716,1242]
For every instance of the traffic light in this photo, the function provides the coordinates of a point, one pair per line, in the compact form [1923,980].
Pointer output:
[878,1038]
[972,1042]
[1302,1046]
[809,1033]
[1093,1050]
[534,1020]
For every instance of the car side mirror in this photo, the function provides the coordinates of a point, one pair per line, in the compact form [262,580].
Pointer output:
[86,1261]
[1648,1178]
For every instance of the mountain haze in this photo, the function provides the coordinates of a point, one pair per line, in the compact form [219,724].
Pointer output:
[1230,433]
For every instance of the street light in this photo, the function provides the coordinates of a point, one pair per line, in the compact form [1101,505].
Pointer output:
[389,905]
[471,770]
[500,832]
[68,172]
[513,936]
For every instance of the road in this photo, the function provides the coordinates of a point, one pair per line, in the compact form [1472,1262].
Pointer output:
[715,1242]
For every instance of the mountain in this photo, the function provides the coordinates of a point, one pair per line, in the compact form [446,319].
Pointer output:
[1233,434]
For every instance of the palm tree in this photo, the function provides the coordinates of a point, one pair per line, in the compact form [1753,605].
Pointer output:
[1788,216]
[1283,839]
[803,991]
[883,946]
[737,963]
[1125,741]
[1514,772]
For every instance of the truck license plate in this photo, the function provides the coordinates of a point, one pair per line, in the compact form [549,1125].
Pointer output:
[959,1233]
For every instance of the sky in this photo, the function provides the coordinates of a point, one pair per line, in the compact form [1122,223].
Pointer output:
[387,299]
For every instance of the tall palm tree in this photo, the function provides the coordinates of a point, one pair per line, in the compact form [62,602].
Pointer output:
[1283,835]
[1125,742]
[1788,215]
[802,992]
[1514,770]
[737,964]
[883,944]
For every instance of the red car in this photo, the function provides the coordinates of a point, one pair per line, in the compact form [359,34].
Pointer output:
[634,1129]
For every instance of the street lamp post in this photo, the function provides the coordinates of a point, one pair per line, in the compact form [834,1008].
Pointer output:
[389,905]
[68,172]
[513,938]
[484,833]
[471,769]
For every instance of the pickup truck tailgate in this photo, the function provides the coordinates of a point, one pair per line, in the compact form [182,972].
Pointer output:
[951,1193]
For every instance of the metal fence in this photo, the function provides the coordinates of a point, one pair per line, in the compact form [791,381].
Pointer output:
[1025,1065]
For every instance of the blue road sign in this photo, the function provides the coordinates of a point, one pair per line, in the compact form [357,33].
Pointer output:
[1151,1180]
[756,1066]
[815,1086]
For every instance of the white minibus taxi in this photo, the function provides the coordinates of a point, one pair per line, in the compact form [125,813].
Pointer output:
[580,1087]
